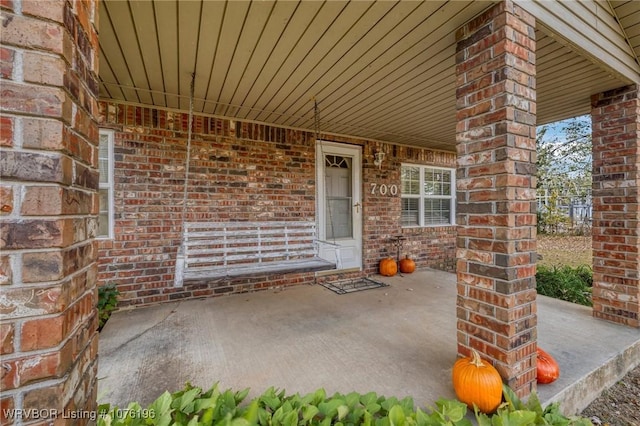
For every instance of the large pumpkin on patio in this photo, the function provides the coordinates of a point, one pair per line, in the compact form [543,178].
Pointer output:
[388,267]
[477,382]
[547,368]
[407,265]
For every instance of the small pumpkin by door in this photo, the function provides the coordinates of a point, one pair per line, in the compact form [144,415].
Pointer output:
[388,267]
[547,368]
[477,382]
[407,265]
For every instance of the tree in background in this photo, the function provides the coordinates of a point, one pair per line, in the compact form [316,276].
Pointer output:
[564,172]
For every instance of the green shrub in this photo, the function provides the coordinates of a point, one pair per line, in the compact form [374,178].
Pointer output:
[191,406]
[566,283]
[107,301]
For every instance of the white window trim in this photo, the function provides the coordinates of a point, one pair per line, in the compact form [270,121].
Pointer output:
[422,196]
[109,185]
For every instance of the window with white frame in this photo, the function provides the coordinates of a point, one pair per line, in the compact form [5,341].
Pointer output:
[105,161]
[428,196]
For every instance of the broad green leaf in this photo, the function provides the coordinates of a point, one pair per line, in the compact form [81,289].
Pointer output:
[343,410]
[241,395]
[270,399]
[164,420]
[104,408]
[451,410]
[309,412]
[239,422]
[352,400]
[186,400]
[315,398]
[104,420]
[389,402]
[278,416]
[522,418]
[162,405]
[367,419]
[397,416]
[207,416]
[228,403]
[553,408]
[481,418]
[204,403]
[368,398]
[264,417]
[330,407]
[384,421]
[511,397]
[373,408]
[533,403]
[455,414]
[421,418]
[224,421]
[251,413]
[290,419]
[407,404]
[556,419]
[179,418]
[295,401]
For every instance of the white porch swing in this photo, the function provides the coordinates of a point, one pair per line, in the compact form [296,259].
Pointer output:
[216,251]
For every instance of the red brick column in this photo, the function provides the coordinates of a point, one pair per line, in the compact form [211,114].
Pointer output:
[48,210]
[616,205]
[496,211]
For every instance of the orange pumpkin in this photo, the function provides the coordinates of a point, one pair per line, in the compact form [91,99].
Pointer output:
[477,382]
[547,368]
[407,265]
[388,267]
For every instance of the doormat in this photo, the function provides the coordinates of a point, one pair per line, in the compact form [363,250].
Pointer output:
[353,285]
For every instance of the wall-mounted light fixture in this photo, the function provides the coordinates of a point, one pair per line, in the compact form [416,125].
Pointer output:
[378,158]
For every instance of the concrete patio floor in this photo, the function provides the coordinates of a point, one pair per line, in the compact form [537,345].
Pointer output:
[397,341]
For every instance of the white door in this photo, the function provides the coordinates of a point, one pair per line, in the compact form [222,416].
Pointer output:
[339,202]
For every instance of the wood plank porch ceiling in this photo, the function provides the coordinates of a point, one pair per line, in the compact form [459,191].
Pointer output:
[381,70]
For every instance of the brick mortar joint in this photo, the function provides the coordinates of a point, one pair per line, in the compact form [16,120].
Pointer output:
[19,393]
[70,335]
[75,104]
[43,284]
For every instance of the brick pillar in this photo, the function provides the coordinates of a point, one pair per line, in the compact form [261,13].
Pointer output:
[616,205]
[48,209]
[496,213]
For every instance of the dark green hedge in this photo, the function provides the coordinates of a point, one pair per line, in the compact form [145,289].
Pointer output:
[566,283]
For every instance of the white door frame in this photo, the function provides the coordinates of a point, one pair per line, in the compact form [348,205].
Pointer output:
[351,248]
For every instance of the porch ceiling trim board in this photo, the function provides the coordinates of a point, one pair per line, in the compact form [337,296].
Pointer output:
[628,14]
[591,27]
[379,70]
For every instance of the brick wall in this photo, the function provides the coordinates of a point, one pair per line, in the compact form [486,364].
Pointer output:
[431,246]
[496,135]
[238,171]
[616,205]
[48,213]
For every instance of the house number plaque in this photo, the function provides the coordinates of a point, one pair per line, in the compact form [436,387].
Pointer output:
[384,189]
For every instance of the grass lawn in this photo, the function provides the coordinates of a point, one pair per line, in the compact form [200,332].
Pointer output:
[559,250]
